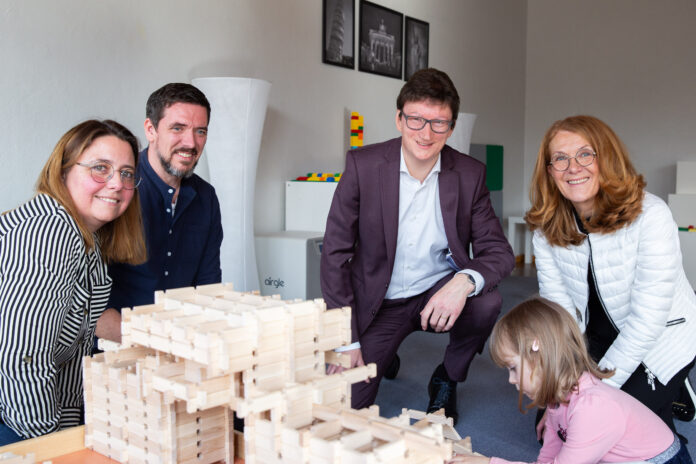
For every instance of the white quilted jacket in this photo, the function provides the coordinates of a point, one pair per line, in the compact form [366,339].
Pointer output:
[641,281]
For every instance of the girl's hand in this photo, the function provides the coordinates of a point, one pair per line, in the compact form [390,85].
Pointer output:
[469,459]
[541,426]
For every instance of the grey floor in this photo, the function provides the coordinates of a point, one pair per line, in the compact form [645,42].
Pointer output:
[487,403]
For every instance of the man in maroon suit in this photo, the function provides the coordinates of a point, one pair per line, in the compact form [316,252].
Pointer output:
[396,247]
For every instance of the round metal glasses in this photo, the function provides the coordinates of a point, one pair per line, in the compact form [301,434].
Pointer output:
[103,171]
[561,162]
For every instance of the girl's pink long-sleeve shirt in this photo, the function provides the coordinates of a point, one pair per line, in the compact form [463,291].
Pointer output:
[600,423]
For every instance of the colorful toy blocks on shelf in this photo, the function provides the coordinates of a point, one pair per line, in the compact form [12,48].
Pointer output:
[356,130]
[688,229]
[320,177]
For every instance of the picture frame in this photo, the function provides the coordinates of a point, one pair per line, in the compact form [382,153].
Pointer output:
[338,33]
[416,46]
[380,40]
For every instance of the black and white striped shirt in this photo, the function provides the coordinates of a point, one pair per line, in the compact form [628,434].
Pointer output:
[51,295]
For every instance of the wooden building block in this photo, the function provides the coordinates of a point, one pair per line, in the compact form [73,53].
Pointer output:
[11,458]
[462,446]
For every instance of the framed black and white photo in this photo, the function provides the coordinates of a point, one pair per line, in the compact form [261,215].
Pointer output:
[337,38]
[417,38]
[381,40]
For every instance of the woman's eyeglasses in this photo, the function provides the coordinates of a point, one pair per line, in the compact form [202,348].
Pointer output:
[103,171]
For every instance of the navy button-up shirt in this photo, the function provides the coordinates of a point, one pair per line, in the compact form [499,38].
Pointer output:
[183,250]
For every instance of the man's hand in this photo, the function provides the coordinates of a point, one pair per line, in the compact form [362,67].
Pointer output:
[109,325]
[445,306]
[356,360]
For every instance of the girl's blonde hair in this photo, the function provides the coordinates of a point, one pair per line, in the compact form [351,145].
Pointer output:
[120,240]
[620,197]
[560,354]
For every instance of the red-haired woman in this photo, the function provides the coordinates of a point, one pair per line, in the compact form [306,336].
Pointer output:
[608,252]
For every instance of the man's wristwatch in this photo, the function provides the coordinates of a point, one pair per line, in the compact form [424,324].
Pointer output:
[473,282]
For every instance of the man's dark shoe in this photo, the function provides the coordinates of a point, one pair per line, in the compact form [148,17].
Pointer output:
[684,408]
[443,393]
[393,368]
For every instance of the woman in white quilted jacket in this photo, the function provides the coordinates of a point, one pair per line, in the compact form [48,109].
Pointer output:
[608,252]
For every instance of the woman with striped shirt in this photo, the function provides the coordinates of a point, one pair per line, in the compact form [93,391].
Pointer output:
[53,280]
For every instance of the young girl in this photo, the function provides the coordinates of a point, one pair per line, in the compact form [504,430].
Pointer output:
[588,421]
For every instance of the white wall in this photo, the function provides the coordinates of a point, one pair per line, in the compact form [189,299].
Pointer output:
[518,66]
[629,62]
[67,61]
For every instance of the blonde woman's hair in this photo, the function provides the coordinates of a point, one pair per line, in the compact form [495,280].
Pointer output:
[561,353]
[120,240]
[618,202]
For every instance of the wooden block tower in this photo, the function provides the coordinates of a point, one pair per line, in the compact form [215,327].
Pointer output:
[168,394]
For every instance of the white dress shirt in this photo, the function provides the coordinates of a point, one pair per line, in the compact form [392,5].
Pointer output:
[421,244]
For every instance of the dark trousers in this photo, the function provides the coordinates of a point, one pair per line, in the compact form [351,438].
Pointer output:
[8,436]
[682,457]
[396,319]
[660,399]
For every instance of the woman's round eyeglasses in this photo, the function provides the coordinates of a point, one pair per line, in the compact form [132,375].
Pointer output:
[103,171]
[561,162]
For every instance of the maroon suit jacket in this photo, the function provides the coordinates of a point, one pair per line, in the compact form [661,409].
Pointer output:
[361,229]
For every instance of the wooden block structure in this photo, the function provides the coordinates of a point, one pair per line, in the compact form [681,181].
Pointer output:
[350,436]
[189,362]
[11,458]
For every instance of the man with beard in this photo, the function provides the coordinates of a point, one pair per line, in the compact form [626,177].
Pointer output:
[181,213]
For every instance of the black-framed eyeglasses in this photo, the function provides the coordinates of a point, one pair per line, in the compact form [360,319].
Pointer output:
[103,171]
[561,162]
[439,126]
